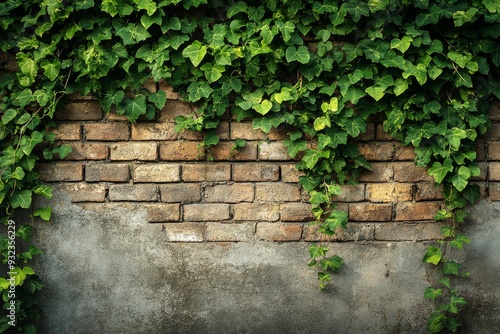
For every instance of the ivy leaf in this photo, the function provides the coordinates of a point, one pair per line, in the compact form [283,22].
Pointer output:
[419,72]
[432,17]
[262,123]
[321,122]
[451,268]
[28,67]
[135,107]
[198,90]
[21,199]
[8,116]
[376,92]
[212,72]
[51,69]
[263,107]
[439,171]
[112,99]
[158,99]
[211,138]
[337,219]
[433,255]
[461,178]
[239,7]
[354,126]
[432,293]
[311,157]
[459,241]
[29,142]
[401,44]
[195,52]
[300,54]
[43,213]
[460,17]
[454,137]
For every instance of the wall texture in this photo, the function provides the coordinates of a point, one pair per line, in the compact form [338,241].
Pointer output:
[148,236]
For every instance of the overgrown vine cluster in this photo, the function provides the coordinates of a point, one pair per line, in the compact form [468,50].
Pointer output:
[322,68]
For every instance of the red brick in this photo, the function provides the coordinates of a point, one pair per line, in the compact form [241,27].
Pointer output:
[206,212]
[154,131]
[106,172]
[206,172]
[229,193]
[370,212]
[409,172]
[296,212]
[290,174]
[408,211]
[382,172]
[407,231]
[255,212]
[156,173]
[389,192]
[378,151]
[273,151]
[185,232]
[133,151]
[494,171]
[173,109]
[181,151]
[256,172]
[80,111]
[426,191]
[277,192]
[494,151]
[84,192]
[230,232]
[180,193]
[67,131]
[61,171]
[159,213]
[85,151]
[106,131]
[224,151]
[246,131]
[279,231]
[353,232]
[133,192]
[164,86]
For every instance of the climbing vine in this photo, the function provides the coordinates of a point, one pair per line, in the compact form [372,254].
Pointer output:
[321,68]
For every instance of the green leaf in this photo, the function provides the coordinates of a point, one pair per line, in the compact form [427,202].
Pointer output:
[158,99]
[433,255]
[211,138]
[135,107]
[317,251]
[263,107]
[262,123]
[8,116]
[198,90]
[212,72]
[43,213]
[333,263]
[300,54]
[376,92]
[451,268]
[461,178]
[432,17]
[286,30]
[432,293]
[195,52]
[354,126]
[459,241]
[311,157]
[419,72]
[28,143]
[461,17]
[401,44]
[337,219]
[239,7]
[321,122]
[21,199]
[439,171]
[51,69]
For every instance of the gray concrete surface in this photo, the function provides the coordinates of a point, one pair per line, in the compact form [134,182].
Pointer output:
[112,272]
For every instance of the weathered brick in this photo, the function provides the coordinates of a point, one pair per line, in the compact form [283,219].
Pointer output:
[224,151]
[256,172]
[408,211]
[206,172]
[185,232]
[494,191]
[84,192]
[229,193]
[156,173]
[169,91]
[351,193]
[353,232]
[95,172]
[494,132]
[404,153]
[494,151]
[206,212]
[273,151]
[254,212]
[133,151]
[172,109]
[230,232]
[106,131]
[370,212]
[290,174]
[180,193]
[86,151]
[277,192]
[113,116]
[382,172]
[80,111]
[369,134]
[426,191]
[409,172]
[494,171]
[296,212]
[480,149]
[159,213]
[133,192]
[377,151]
[223,131]
[150,85]
[61,171]
[180,151]
[494,112]
[154,131]
[407,231]
[389,192]
[279,231]
[381,134]
[67,131]
[246,131]
[280,133]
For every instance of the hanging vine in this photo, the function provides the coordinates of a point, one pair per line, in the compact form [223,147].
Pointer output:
[322,68]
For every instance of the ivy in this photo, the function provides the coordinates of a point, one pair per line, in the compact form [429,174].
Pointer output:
[322,69]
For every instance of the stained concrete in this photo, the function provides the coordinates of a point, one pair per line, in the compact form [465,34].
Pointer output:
[112,272]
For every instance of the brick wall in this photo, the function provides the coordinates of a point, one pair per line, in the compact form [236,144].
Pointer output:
[250,194]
